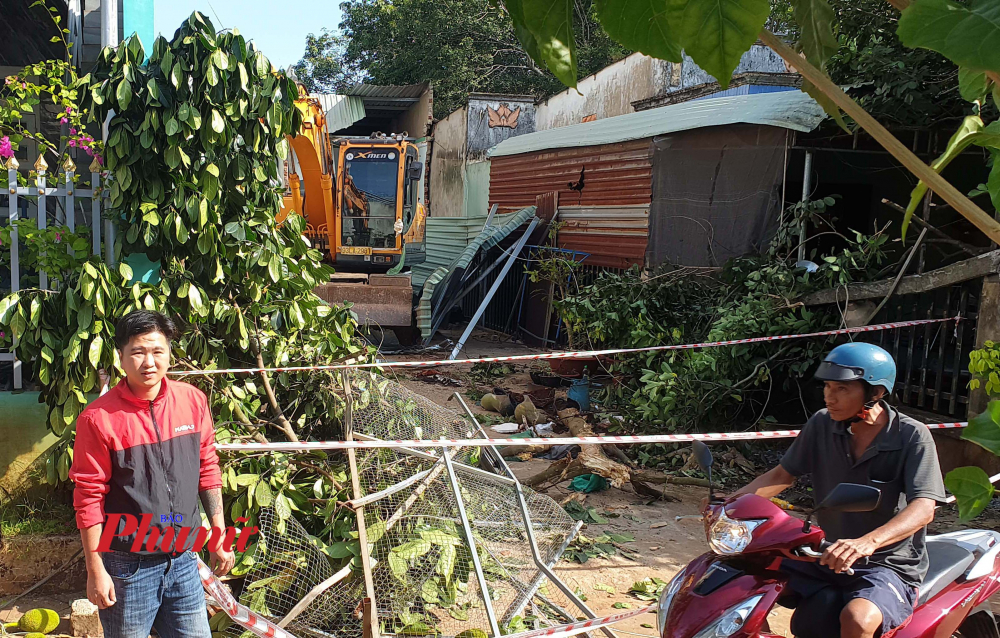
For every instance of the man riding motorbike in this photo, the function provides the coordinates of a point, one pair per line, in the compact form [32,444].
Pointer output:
[859,438]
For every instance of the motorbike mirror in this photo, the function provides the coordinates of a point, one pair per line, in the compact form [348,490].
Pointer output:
[851,497]
[703,455]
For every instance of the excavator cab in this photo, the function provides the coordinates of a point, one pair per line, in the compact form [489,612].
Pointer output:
[377,204]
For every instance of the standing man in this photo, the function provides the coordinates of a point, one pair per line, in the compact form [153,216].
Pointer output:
[147,447]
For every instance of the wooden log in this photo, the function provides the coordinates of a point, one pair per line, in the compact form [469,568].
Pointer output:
[972,268]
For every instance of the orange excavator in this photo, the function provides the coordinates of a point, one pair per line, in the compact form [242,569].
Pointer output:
[361,201]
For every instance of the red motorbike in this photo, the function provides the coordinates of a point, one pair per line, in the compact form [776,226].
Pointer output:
[729,591]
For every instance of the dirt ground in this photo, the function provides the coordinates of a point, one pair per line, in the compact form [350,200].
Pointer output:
[661,546]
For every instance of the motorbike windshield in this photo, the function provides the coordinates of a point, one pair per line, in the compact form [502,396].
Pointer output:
[371,178]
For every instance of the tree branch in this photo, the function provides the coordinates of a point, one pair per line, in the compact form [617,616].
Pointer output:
[283,423]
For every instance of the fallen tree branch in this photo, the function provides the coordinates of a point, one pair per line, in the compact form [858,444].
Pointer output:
[972,268]
[593,460]
[940,234]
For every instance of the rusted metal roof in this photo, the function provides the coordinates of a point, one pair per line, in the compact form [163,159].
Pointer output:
[613,175]
[792,110]
[613,236]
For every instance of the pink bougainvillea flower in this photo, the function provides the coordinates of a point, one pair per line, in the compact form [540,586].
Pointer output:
[10,79]
[72,131]
[69,109]
[63,120]
[6,151]
[58,237]
[72,143]
[2,334]
[99,158]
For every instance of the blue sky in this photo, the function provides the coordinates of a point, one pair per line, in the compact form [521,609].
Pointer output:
[278,27]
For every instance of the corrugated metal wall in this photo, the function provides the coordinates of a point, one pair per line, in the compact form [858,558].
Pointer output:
[614,236]
[614,175]
[607,218]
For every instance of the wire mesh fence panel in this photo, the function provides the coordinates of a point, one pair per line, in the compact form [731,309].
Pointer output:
[423,561]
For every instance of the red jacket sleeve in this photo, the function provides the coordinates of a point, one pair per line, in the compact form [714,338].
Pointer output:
[91,472]
[211,476]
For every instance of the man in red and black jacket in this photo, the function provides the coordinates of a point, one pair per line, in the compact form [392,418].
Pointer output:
[147,447]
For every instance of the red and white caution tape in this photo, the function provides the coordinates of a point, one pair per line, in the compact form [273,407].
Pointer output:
[251,621]
[708,437]
[264,628]
[574,628]
[586,354]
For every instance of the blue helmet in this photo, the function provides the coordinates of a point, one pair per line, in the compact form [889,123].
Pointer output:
[859,362]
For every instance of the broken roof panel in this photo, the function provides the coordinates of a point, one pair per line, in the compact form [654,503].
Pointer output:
[490,236]
[792,110]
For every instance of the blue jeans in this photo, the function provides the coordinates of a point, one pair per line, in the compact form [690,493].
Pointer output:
[155,592]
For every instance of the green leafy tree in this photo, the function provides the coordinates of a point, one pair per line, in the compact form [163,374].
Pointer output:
[192,155]
[460,46]
[322,68]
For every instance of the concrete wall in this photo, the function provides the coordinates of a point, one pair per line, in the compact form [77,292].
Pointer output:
[607,93]
[418,119]
[495,118]
[447,190]
[24,437]
[612,90]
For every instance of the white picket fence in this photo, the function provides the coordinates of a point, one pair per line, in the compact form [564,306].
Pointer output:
[34,200]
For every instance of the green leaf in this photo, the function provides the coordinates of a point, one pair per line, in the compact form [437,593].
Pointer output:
[641,25]
[282,507]
[446,561]
[972,85]
[966,34]
[429,592]
[124,94]
[246,480]
[35,313]
[993,183]
[716,33]
[412,549]
[984,429]
[7,306]
[263,495]
[94,354]
[340,549]
[551,22]
[375,532]
[176,75]
[218,124]
[971,132]
[171,127]
[220,59]
[397,565]
[274,268]
[972,489]
[195,300]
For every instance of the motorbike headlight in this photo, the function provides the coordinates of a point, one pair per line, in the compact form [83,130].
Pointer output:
[666,599]
[731,536]
[732,621]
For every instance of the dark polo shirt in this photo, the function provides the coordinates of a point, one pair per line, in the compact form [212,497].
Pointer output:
[901,462]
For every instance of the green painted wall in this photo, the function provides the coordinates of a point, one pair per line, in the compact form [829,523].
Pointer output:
[23,436]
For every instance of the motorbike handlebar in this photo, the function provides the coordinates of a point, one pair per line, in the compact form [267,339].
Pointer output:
[809,552]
